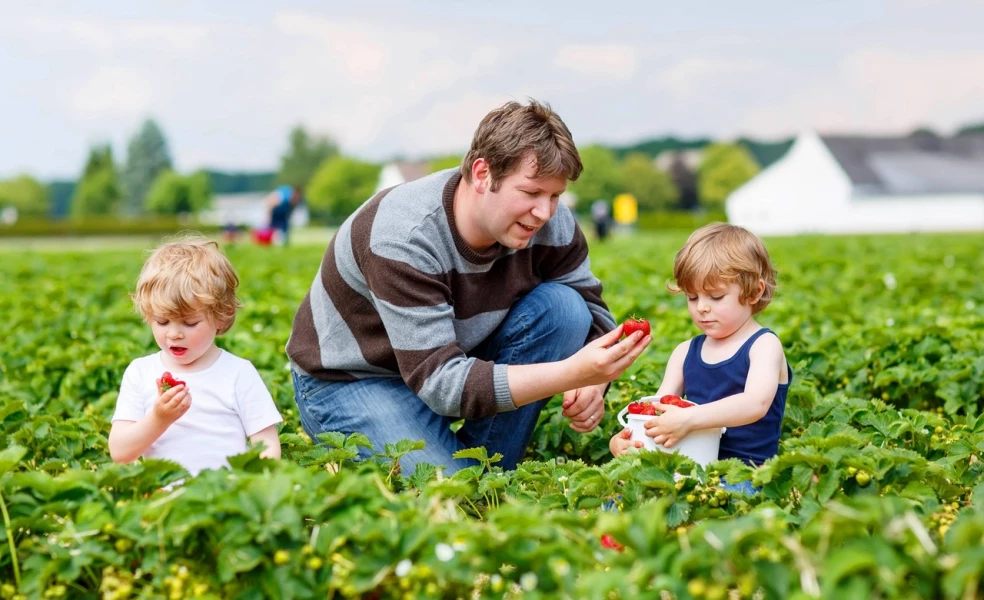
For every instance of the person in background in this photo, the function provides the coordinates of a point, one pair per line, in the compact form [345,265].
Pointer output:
[281,203]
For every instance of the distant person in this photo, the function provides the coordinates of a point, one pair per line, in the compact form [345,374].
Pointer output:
[601,218]
[186,292]
[282,202]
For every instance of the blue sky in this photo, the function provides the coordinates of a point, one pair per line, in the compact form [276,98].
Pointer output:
[227,80]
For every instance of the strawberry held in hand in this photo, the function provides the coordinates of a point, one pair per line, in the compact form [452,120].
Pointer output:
[168,381]
[675,401]
[633,325]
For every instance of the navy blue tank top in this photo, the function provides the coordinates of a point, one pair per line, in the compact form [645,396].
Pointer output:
[753,443]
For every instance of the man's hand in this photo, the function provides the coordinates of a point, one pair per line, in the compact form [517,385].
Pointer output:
[172,404]
[604,359]
[672,425]
[585,407]
[621,442]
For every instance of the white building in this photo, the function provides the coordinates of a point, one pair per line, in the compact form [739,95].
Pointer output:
[848,184]
[248,209]
[397,172]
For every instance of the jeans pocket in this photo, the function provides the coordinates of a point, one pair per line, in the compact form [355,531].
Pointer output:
[307,388]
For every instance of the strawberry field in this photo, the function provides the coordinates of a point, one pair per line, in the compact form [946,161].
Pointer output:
[877,491]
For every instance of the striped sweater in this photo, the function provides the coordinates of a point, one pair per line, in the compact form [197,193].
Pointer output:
[400,294]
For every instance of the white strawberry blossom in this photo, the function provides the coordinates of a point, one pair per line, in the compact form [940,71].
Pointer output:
[403,567]
[444,552]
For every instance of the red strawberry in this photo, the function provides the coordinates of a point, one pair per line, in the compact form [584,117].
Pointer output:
[168,382]
[609,542]
[675,401]
[641,408]
[633,325]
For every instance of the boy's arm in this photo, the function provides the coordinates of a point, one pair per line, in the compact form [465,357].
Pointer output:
[270,439]
[765,367]
[672,383]
[129,439]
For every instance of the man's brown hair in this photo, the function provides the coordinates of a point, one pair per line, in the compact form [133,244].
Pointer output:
[508,133]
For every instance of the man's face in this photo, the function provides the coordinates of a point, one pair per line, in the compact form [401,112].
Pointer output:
[522,205]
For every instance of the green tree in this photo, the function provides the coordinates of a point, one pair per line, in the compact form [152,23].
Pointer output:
[305,154]
[98,191]
[340,186]
[724,168]
[147,156]
[652,188]
[173,193]
[444,162]
[25,193]
[600,178]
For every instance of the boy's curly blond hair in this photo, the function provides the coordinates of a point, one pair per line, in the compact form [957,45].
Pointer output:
[720,253]
[185,275]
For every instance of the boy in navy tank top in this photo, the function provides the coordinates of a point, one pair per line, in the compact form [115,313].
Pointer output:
[735,371]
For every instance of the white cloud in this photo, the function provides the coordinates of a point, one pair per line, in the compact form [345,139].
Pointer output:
[109,35]
[111,91]
[616,62]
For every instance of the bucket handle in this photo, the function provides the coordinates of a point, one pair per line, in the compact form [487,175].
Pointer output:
[621,417]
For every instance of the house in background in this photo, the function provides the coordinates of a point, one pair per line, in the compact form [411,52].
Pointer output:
[397,172]
[853,184]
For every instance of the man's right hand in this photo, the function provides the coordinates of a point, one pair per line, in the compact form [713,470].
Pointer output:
[605,359]
[172,404]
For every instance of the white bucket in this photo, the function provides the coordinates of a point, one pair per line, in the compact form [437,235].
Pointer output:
[700,446]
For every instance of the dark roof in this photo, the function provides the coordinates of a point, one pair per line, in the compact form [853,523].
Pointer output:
[921,163]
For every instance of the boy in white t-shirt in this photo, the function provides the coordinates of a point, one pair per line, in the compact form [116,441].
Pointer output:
[186,292]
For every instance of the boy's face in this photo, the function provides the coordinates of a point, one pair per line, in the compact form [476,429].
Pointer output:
[184,340]
[718,311]
[522,205]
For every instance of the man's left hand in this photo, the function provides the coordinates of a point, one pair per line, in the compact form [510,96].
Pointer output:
[585,407]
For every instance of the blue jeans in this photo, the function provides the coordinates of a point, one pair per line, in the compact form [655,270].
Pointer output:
[550,323]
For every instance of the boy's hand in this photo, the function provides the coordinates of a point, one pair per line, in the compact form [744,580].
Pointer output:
[672,425]
[604,359]
[171,404]
[620,442]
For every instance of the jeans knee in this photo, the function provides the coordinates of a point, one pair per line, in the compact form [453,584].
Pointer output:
[565,313]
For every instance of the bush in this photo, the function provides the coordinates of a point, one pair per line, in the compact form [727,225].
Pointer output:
[108,225]
[679,219]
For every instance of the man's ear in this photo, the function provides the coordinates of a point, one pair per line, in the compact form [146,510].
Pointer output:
[481,176]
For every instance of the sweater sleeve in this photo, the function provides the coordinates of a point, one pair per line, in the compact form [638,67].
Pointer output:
[413,298]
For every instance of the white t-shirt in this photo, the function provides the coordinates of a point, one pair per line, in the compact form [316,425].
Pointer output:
[229,402]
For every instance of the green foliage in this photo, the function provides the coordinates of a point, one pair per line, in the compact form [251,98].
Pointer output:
[600,178]
[147,156]
[444,162]
[685,221]
[724,168]
[238,183]
[26,194]
[102,226]
[652,188]
[305,154]
[173,194]
[876,491]
[98,192]
[340,186]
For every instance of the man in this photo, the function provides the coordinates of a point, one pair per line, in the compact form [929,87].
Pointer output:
[465,294]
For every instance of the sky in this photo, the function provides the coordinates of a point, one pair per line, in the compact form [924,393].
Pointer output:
[227,80]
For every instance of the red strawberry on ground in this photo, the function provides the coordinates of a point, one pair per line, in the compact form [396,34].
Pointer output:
[609,542]
[675,401]
[633,325]
[168,381]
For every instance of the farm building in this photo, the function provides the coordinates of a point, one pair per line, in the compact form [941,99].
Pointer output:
[853,184]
